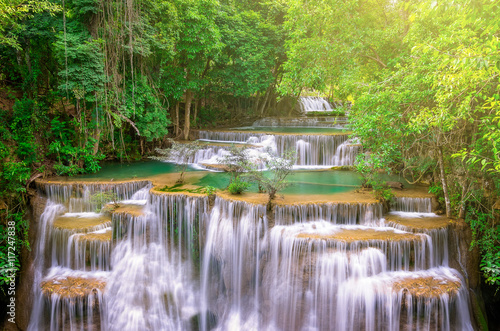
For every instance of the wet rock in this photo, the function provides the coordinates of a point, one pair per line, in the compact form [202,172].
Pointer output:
[24,290]
[466,261]
[196,321]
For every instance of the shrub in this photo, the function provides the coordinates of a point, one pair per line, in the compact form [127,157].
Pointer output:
[237,186]
[209,190]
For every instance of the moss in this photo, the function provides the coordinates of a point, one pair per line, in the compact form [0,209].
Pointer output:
[478,313]
[343,168]
[177,188]
[336,113]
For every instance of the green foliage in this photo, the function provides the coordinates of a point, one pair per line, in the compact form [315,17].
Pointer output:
[209,190]
[237,186]
[72,160]
[144,107]
[370,169]
[101,199]
[13,234]
[325,113]
[486,236]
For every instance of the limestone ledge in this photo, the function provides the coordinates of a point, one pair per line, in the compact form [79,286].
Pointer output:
[271,133]
[81,223]
[357,235]
[360,196]
[427,287]
[420,223]
[133,210]
[72,287]
[93,236]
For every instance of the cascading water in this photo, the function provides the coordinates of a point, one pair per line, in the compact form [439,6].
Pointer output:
[420,205]
[302,122]
[314,104]
[172,261]
[337,213]
[312,150]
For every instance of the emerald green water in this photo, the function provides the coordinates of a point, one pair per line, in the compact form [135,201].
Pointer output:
[301,182]
[297,130]
[132,170]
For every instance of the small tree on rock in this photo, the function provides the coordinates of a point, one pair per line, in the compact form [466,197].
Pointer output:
[180,154]
[278,170]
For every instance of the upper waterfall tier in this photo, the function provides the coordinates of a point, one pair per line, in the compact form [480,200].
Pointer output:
[314,104]
[312,149]
[302,122]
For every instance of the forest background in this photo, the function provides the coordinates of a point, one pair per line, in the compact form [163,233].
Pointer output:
[82,81]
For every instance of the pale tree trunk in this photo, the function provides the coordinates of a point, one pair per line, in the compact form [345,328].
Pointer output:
[265,102]
[97,137]
[187,114]
[443,182]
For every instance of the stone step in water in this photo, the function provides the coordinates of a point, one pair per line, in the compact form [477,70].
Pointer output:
[130,221]
[74,303]
[77,196]
[67,249]
[336,213]
[90,251]
[410,204]
[437,227]
[403,250]
[433,299]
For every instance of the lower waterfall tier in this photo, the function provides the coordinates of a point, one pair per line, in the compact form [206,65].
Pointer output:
[183,261]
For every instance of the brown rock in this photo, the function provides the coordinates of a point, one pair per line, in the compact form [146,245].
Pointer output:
[24,290]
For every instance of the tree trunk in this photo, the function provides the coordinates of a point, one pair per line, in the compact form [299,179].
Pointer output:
[187,114]
[265,102]
[196,106]
[176,123]
[97,138]
[463,202]
[443,182]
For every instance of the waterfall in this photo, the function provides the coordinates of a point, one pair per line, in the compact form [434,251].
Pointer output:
[152,285]
[314,104]
[302,122]
[337,213]
[179,261]
[346,153]
[235,241]
[365,303]
[312,150]
[421,205]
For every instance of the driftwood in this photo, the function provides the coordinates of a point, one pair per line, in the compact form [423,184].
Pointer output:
[395,185]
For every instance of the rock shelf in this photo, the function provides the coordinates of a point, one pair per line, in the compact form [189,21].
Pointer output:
[356,235]
[82,223]
[72,287]
[427,287]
